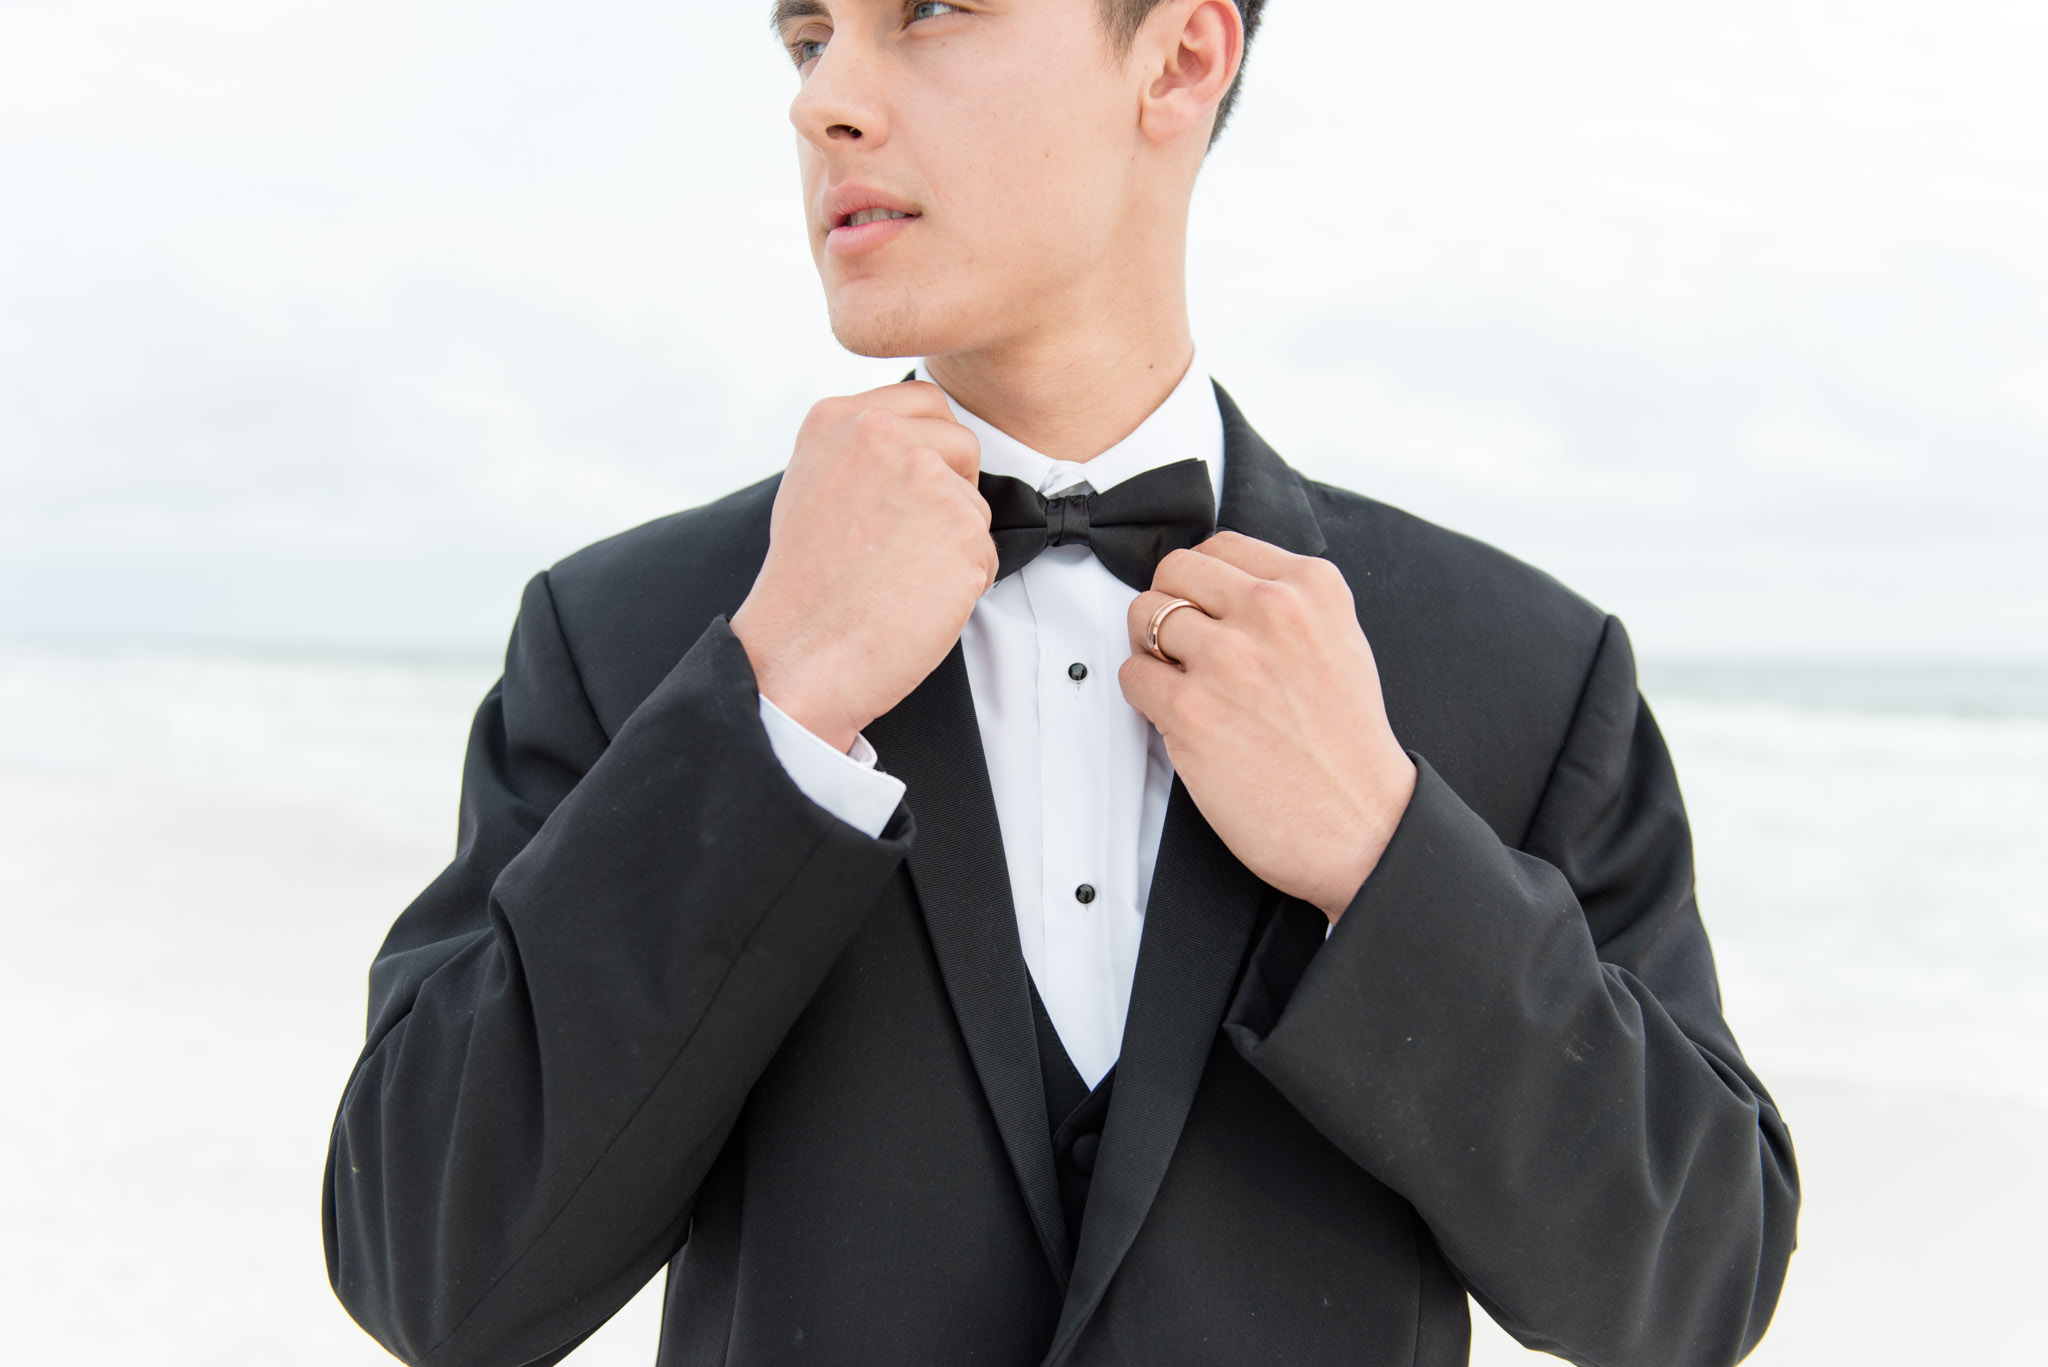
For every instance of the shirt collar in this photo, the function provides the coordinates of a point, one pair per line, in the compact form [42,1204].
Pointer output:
[1186,424]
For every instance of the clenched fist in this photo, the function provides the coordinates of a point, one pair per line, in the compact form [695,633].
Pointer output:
[878,549]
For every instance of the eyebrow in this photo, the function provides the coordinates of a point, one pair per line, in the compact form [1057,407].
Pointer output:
[788,10]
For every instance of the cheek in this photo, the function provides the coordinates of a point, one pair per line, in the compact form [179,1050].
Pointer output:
[810,174]
[1036,183]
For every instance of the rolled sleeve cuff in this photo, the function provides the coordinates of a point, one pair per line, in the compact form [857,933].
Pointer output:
[847,785]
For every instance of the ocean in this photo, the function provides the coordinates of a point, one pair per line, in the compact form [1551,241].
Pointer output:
[1870,837]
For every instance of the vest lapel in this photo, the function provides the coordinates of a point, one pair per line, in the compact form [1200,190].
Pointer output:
[1198,923]
[932,742]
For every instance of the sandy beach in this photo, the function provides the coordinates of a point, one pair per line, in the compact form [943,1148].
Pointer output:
[165,1118]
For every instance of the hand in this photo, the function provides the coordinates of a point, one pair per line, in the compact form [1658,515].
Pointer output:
[1274,719]
[877,550]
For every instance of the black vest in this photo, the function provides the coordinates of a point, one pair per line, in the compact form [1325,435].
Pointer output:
[1074,1114]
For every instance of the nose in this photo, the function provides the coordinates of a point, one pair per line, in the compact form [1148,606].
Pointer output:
[839,104]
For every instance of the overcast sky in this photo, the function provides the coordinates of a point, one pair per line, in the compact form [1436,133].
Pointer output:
[328,323]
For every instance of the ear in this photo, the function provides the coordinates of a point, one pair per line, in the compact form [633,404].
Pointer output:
[1189,50]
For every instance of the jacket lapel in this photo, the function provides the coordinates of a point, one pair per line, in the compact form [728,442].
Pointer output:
[932,742]
[1198,923]
[1262,497]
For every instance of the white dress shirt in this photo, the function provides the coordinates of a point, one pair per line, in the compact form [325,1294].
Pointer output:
[1080,779]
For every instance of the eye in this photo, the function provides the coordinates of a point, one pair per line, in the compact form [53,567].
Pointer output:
[931,9]
[807,47]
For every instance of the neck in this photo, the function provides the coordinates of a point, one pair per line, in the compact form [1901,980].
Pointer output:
[1084,376]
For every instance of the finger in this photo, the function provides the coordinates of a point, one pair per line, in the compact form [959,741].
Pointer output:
[952,443]
[1184,634]
[983,546]
[913,399]
[1261,559]
[1148,686]
[971,499]
[1215,585]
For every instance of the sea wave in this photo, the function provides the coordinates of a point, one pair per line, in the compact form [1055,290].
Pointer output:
[1869,837]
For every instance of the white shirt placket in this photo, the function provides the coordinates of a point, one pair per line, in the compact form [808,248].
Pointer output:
[1080,889]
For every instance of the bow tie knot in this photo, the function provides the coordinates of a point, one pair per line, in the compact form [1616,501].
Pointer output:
[1066,519]
[1130,527]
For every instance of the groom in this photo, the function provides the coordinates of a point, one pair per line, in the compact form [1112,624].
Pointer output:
[1042,882]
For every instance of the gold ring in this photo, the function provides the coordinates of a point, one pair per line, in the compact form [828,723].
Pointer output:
[1165,610]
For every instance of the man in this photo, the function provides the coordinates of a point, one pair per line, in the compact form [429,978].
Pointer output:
[950,906]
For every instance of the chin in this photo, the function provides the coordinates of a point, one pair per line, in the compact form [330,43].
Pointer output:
[870,334]
[876,327]
[897,323]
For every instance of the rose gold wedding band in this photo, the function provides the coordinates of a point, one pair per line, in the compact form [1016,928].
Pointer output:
[1152,628]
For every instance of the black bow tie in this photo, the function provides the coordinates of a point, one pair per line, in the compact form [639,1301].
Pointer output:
[1130,527]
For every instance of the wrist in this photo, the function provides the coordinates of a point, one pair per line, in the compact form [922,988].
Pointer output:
[1396,793]
[788,675]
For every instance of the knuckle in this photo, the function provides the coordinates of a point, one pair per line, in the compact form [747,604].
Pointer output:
[1271,598]
[1323,575]
[1329,590]
[874,424]
[936,479]
[970,510]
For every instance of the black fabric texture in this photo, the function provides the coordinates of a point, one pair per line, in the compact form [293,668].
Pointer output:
[663,1009]
[1075,1115]
[1130,527]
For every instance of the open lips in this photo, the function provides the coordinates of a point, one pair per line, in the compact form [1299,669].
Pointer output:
[864,217]
[860,228]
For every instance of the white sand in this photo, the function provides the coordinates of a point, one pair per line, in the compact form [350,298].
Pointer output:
[183,993]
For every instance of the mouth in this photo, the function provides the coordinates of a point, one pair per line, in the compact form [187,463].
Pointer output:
[863,228]
[860,218]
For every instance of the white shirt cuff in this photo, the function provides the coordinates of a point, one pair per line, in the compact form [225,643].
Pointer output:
[849,786]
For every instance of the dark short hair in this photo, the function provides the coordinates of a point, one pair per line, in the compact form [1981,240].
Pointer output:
[1125,17]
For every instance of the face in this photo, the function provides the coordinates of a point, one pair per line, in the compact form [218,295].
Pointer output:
[969,169]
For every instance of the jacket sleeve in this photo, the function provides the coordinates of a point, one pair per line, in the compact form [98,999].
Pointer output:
[565,1024]
[1527,1044]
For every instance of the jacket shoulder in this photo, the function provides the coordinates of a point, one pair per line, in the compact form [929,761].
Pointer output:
[1435,561]
[632,604]
[1483,658]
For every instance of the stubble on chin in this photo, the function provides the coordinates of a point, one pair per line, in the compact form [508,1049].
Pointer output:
[889,329]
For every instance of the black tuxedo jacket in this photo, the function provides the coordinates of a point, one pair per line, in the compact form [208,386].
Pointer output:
[662,1008]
